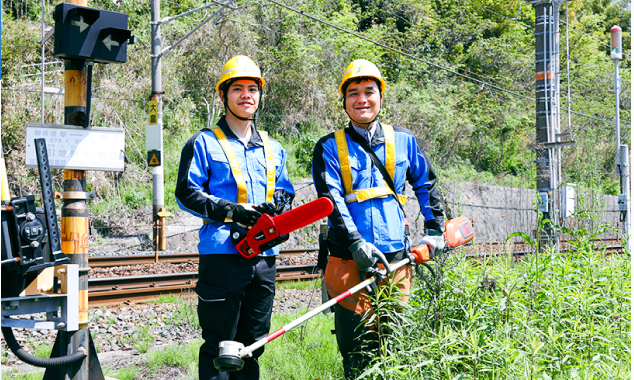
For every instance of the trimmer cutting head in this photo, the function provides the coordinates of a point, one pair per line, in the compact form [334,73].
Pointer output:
[229,358]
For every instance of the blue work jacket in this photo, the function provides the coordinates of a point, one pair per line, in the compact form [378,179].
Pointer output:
[379,221]
[205,183]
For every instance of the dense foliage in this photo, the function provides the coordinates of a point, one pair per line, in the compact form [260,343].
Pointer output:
[464,124]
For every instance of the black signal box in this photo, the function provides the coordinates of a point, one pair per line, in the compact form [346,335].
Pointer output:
[91,34]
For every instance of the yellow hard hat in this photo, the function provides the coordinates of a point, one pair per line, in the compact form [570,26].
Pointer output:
[240,66]
[361,68]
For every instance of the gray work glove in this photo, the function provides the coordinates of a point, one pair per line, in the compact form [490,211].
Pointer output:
[365,255]
[243,213]
[435,241]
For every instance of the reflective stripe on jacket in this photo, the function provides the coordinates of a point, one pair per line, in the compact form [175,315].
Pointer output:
[378,220]
[205,182]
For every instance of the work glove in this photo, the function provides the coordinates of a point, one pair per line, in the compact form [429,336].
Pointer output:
[365,255]
[281,203]
[243,213]
[435,241]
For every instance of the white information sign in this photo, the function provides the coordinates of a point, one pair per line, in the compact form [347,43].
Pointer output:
[74,147]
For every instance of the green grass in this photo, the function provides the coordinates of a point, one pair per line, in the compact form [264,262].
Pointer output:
[306,352]
[179,355]
[141,340]
[128,373]
[43,350]
[555,316]
[15,375]
[298,284]
[551,316]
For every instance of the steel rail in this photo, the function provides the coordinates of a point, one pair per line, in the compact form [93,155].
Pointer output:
[174,258]
[117,290]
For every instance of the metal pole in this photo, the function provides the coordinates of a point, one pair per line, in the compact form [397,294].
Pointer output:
[625,193]
[158,197]
[617,91]
[75,229]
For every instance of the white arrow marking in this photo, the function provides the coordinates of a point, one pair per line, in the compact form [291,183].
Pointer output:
[109,42]
[80,23]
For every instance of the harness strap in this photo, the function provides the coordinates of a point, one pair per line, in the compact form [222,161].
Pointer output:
[237,171]
[234,164]
[344,162]
[374,192]
[346,171]
[270,166]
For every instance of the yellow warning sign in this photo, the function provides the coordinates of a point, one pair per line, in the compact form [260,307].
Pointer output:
[154,158]
[153,111]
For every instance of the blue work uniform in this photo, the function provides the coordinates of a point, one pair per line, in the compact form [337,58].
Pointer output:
[205,183]
[378,219]
[235,293]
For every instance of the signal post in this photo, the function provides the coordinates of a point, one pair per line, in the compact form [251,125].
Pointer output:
[83,36]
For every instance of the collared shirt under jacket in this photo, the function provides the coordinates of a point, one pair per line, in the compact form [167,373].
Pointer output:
[206,184]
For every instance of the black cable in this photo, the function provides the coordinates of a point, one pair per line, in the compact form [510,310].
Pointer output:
[88,93]
[36,361]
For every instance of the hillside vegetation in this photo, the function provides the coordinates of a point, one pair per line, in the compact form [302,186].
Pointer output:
[471,131]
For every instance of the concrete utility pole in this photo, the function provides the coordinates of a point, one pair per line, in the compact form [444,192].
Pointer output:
[622,166]
[154,131]
[549,139]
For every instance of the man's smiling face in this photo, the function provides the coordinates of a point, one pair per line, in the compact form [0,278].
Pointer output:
[243,97]
[363,101]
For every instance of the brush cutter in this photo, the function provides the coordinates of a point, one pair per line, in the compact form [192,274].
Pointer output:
[270,231]
[457,232]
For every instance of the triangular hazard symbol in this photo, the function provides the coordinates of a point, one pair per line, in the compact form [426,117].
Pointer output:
[154,160]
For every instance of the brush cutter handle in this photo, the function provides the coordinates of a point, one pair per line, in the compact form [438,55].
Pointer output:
[245,352]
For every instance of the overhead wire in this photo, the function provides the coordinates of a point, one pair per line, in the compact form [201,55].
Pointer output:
[582,32]
[515,20]
[303,13]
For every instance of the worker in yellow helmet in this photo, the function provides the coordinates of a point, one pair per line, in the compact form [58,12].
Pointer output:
[362,169]
[229,176]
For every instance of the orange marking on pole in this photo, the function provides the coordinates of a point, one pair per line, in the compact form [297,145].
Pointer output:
[540,75]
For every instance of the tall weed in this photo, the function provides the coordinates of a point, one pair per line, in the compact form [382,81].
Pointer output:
[547,316]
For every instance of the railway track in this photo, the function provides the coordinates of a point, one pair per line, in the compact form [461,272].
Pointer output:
[113,261]
[110,291]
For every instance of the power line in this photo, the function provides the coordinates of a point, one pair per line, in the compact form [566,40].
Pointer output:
[400,51]
[501,15]
[582,32]
[529,26]
[422,60]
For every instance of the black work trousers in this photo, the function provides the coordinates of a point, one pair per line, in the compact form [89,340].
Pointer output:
[355,340]
[235,301]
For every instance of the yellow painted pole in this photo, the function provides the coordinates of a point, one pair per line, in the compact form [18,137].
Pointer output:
[74,226]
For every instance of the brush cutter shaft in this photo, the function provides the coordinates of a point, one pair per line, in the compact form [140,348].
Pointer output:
[248,350]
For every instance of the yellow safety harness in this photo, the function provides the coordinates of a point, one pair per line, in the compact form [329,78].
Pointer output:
[344,163]
[237,172]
